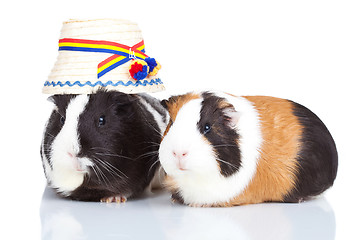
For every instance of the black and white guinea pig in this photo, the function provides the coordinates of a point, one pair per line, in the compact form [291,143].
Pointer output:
[102,146]
[224,150]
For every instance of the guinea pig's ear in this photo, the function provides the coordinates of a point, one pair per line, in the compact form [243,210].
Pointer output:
[173,99]
[51,99]
[123,102]
[232,116]
[165,103]
[122,98]
[61,101]
[178,99]
[54,99]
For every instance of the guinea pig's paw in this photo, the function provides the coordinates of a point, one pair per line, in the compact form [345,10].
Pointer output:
[116,199]
[176,198]
[197,205]
[174,201]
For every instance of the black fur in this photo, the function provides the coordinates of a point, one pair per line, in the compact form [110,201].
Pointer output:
[222,136]
[317,159]
[126,141]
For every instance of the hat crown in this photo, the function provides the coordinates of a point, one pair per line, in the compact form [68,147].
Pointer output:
[113,30]
[86,45]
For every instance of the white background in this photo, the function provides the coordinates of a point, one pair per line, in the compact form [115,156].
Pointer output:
[307,51]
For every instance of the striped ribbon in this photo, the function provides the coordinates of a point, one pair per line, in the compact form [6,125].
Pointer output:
[121,53]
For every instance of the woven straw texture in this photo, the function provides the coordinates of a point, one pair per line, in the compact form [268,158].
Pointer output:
[75,72]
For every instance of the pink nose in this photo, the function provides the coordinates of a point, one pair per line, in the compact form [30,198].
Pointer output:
[180,159]
[75,161]
[179,155]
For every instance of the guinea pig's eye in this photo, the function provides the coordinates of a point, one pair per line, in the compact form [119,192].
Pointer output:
[207,128]
[62,120]
[102,121]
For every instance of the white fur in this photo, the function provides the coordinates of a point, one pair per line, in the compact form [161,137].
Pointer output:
[68,171]
[202,182]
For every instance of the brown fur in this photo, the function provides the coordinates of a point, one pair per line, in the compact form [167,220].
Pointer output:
[175,103]
[277,167]
[170,184]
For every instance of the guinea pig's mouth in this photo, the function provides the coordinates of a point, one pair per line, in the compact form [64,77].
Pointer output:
[181,169]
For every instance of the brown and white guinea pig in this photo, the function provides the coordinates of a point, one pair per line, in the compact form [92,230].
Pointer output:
[102,146]
[224,150]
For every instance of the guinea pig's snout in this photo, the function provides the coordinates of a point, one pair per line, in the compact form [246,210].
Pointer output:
[76,162]
[180,159]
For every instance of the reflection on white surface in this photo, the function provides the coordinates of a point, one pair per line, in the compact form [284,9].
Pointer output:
[155,217]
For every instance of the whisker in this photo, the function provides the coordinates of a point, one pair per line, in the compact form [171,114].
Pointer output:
[103,176]
[50,135]
[111,169]
[152,146]
[231,165]
[113,155]
[115,170]
[47,144]
[154,143]
[93,168]
[226,145]
[152,165]
[147,154]
[107,152]
[147,147]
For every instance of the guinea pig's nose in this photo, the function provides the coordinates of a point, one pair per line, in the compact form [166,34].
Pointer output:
[179,154]
[75,162]
[180,159]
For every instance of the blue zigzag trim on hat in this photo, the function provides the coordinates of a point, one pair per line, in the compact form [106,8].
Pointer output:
[108,83]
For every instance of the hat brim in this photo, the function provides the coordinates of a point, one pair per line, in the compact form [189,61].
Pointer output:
[77,87]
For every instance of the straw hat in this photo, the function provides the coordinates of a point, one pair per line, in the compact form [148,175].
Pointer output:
[102,53]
